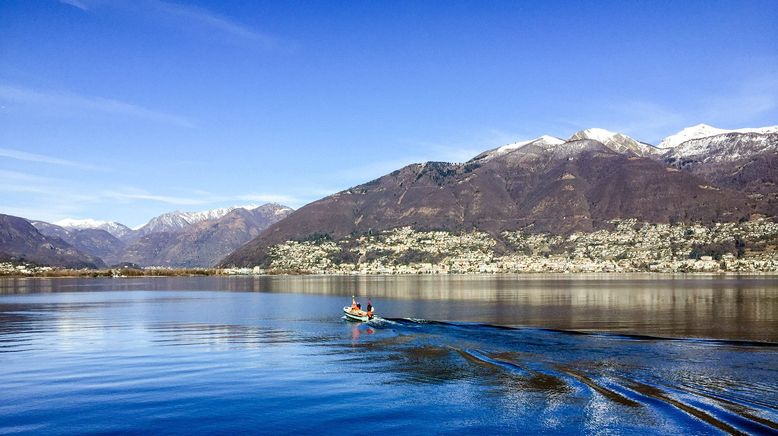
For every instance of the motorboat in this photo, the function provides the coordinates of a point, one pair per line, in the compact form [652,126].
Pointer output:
[357,314]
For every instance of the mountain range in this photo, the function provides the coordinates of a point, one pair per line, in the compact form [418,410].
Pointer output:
[207,239]
[92,241]
[701,174]
[175,239]
[178,220]
[548,184]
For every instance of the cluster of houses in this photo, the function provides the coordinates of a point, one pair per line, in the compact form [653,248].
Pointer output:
[22,269]
[624,246]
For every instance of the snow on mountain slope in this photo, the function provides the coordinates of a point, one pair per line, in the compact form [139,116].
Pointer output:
[726,147]
[570,149]
[177,220]
[206,242]
[615,141]
[595,133]
[544,140]
[704,131]
[541,140]
[112,227]
[74,223]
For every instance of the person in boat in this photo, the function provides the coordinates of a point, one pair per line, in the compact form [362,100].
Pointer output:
[354,304]
[369,307]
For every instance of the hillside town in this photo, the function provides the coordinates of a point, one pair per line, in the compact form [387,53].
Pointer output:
[626,246]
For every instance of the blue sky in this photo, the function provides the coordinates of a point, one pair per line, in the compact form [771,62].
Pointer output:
[122,110]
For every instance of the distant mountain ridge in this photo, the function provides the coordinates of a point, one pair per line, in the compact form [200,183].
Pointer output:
[203,243]
[546,184]
[20,241]
[177,220]
[93,241]
[183,239]
[116,229]
[166,222]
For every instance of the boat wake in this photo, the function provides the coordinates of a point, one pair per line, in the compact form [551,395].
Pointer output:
[669,384]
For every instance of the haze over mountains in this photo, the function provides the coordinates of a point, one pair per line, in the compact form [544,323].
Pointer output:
[548,184]
[702,174]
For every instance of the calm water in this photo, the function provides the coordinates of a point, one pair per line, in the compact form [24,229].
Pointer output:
[585,354]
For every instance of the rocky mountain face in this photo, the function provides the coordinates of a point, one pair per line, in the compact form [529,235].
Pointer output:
[545,185]
[95,242]
[21,241]
[168,222]
[52,230]
[746,162]
[703,131]
[726,147]
[203,243]
[617,142]
[178,220]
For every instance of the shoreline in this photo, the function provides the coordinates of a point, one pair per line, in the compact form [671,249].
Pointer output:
[212,272]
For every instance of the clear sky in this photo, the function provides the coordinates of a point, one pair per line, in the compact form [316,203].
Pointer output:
[122,110]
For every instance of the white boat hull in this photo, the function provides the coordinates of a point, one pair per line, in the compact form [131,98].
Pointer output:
[358,315]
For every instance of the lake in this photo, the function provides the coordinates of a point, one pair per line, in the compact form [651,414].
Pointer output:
[643,353]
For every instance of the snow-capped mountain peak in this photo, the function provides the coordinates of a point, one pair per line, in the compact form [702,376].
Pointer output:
[177,220]
[203,215]
[594,133]
[548,139]
[731,146]
[618,142]
[112,227]
[75,223]
[704,130]
[543,141]
[689,133]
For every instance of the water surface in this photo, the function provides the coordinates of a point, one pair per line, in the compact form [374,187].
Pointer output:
[267,355]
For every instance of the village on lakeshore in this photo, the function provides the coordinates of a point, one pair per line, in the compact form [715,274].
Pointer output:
[628,246]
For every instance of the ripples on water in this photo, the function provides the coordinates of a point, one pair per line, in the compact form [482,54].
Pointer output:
[202,362]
